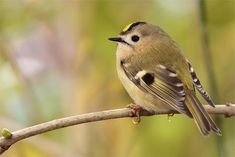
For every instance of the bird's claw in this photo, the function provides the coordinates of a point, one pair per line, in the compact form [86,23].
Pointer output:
[170,115]
[136,109]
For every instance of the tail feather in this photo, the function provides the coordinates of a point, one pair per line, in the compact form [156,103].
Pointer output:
[200,116]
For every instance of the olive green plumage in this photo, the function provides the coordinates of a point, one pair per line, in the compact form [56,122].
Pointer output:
[157,76]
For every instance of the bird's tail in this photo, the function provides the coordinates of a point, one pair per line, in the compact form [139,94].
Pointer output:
[200,116]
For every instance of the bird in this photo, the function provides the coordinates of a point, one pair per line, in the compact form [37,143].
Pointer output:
[158,77]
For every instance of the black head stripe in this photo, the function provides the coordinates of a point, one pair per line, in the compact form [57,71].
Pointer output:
[130,27]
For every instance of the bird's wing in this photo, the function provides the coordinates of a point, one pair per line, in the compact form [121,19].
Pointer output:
[162,83]
[199,87]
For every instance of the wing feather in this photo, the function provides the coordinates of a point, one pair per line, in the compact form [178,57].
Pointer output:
[199,86]
[162,83]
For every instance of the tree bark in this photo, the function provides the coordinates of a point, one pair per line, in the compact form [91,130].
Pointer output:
[9,138]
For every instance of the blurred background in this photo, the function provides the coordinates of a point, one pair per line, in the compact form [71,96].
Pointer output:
[56,61]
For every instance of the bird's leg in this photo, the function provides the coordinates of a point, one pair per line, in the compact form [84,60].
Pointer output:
[136,109]
[170,115]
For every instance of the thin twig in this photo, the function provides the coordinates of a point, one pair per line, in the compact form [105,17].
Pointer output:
[6,142]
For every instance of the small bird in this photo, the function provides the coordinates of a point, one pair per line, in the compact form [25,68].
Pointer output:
[157,75]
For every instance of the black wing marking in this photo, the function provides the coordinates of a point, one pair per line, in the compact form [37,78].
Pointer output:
[199,87]
[161,83]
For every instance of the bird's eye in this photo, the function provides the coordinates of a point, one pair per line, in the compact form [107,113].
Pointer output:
[135,38]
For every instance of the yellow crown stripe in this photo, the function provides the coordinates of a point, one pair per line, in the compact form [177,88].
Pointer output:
[127,27]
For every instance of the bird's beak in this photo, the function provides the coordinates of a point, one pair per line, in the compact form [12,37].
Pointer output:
[117,39]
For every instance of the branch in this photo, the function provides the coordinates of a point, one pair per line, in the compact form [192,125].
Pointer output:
[9,138]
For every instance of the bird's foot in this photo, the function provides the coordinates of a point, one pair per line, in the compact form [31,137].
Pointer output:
[136,109]
[170,115]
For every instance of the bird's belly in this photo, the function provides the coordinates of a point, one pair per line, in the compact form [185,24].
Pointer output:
[141,98]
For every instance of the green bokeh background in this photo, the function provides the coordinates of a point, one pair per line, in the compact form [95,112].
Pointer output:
[56,61]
